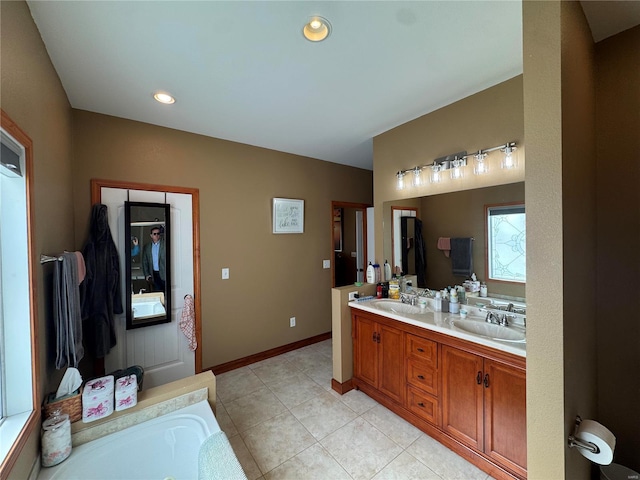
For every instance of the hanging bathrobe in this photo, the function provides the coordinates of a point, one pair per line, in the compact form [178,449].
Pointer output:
[421,255]
[100,292]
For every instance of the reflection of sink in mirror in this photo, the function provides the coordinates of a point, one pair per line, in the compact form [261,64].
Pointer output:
[398,307]
[489,330]
[146,305]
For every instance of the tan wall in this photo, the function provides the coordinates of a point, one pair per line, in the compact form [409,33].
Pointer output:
[33,97]
[462,214]
[579,225]
[560,198]
[543,197]
[486,119]
[272,277]
[618,239]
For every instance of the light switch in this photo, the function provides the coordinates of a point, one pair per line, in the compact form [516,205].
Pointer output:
[326,263]
[225,274]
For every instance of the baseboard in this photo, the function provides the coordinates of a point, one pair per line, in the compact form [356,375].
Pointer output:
[341,388]
[274,352]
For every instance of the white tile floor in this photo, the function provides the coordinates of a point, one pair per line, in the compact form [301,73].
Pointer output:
[284,422]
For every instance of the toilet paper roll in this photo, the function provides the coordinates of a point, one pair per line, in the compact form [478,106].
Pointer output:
[592,432]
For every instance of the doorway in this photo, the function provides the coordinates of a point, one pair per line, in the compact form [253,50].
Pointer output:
[348,242]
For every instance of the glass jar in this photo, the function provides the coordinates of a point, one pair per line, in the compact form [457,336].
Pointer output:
[55,439]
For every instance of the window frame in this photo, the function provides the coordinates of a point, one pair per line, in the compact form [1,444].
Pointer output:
[25,423]
[487,213]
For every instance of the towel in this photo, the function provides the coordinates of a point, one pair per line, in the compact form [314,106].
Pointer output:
[66,312]
[188,322]
[462,256]
[217,461]
[444,244]
[82,269]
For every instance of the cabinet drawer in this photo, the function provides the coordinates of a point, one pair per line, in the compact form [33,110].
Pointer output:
[422,349]
[422,375]
[423,405]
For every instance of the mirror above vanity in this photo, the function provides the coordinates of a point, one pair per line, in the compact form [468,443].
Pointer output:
[454,214]
[148,272]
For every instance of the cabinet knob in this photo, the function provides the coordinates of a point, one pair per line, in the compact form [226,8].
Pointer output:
[486,381]
[479,378]
[421,377]
[421,350]
[421,404]
[374,336]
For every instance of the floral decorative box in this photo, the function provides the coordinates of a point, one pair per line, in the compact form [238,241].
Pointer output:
[97,399]
[126,392]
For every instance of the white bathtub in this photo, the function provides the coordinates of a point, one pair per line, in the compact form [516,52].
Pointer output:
[163,448]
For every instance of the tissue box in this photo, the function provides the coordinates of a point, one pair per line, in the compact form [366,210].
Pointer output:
[126,392]
[97,399]
[70,404]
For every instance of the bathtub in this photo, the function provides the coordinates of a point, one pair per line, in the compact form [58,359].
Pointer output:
[166,447]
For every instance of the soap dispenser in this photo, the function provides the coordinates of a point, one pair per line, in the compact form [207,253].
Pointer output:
[371,274]
[387,271]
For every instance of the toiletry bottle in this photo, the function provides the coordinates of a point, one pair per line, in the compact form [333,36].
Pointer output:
[454,305]
[394,289]
[387,271]
[55,439]
[437,305]
[376,270]
[462,295]
[483,289]
[445,301]
[379,290]
[371,274]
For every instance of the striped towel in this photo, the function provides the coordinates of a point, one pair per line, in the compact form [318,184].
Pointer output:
[188,322]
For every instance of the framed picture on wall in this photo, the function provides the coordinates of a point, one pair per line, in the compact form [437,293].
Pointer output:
[288,215]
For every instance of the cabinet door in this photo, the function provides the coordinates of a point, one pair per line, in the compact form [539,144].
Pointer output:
[365,365]
[505,416]
[391,353]
[462,412]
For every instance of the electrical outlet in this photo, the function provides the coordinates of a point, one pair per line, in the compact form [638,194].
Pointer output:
[292,322]
[326,263]
[225,274]
[352,295]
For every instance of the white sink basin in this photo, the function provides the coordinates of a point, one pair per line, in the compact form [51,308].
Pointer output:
[489,330]
[399,307]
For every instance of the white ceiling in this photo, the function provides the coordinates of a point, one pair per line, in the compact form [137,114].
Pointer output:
[242,71]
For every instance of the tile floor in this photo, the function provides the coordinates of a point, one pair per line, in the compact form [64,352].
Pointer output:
[284,422]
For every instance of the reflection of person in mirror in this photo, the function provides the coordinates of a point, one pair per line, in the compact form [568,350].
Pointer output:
[154,261]
[135,246]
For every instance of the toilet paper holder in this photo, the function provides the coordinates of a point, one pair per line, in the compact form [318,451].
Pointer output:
[575,442]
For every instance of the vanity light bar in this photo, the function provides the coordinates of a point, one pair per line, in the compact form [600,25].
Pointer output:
[455,162]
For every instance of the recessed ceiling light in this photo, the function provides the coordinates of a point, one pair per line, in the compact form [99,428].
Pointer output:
[163,97]
[316,29]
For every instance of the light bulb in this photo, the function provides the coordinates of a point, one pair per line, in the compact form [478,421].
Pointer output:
[481,166]
[435,174]
[400,185]
[417,177]
[456,170]
[509,161]
[315,24]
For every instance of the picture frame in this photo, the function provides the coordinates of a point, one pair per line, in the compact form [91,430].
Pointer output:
[288,215]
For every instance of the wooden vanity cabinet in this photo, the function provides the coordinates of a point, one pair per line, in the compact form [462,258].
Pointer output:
[484,406]
[378,356]
[469,397]
[422,378]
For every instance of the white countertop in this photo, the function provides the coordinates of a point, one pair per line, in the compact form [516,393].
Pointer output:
[441,322]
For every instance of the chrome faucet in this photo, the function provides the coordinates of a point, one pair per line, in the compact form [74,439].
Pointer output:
[407,298]
[497,319]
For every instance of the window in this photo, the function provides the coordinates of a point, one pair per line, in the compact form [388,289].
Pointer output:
[18,390]
[506,243]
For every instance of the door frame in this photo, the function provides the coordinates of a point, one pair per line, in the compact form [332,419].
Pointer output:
[96,197]
[357,206]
